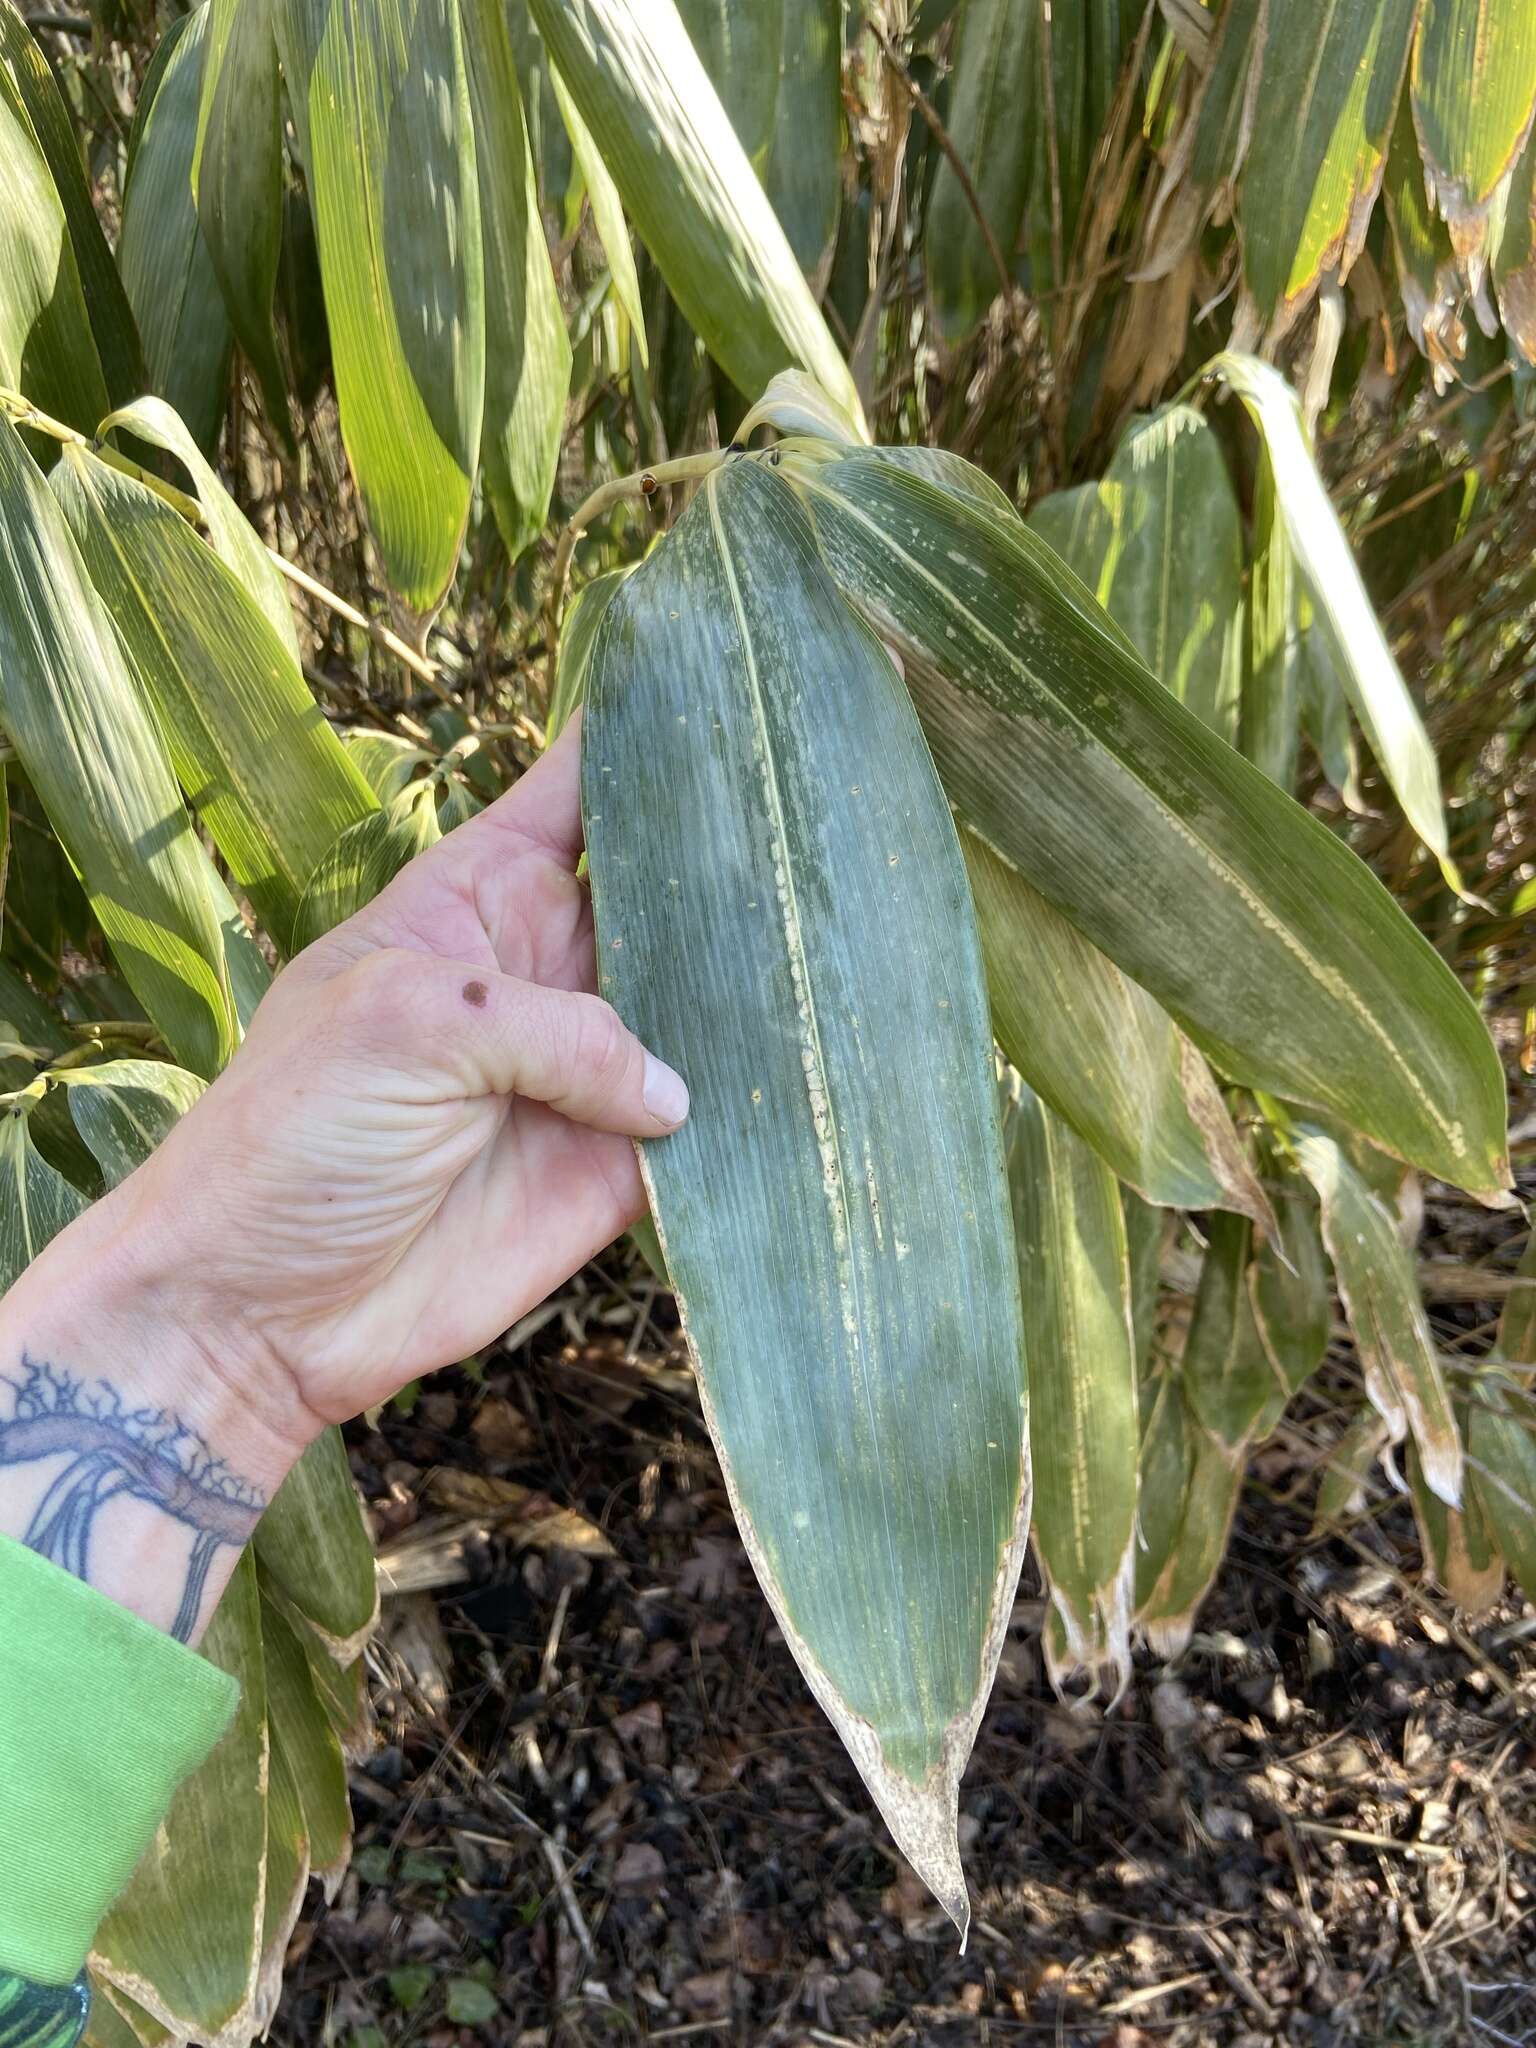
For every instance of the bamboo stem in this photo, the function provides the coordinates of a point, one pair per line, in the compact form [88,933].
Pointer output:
[619,489]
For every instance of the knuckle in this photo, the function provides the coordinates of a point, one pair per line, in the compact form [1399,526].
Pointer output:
[601,1046]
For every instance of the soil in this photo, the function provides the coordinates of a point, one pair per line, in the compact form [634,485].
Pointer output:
[603,1807]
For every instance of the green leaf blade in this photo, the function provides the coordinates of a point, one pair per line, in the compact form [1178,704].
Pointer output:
[1077,767]
[858,1074]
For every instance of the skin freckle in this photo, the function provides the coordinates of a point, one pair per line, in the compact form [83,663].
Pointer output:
[475,993]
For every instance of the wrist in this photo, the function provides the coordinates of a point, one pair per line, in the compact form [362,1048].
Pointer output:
[115,1300]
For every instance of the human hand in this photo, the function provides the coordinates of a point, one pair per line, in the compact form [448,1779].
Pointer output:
[426,1130]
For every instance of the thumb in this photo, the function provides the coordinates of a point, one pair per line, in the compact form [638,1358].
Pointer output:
[491,1034]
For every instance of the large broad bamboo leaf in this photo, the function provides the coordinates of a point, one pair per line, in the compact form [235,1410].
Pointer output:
[47,349]
[527,355]
[607,212]
[314,1548]
[229,532]
[782,912]
[123,1108]
[1474,93]
[117,339]
[382,105]
[1103,1053]
[1075,1281]
[184,1940]
[36,1201]
[263,769]
[167,270]
[1330,86]
[72,709]
[1160,545]
[1213,140]
[804,175]
[1176,857]
[994,95]
[1380,1293]
[1322,554]
[689,188]
[739,47]
[237,181]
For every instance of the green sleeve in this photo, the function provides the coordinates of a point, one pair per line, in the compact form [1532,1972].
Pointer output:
[101,1717]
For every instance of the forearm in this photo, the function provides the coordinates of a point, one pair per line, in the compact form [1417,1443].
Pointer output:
[139,1439]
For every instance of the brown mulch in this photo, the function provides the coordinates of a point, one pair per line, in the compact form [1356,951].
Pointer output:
[603,1807]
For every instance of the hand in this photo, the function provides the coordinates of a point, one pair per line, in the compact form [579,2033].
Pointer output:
[426,1130]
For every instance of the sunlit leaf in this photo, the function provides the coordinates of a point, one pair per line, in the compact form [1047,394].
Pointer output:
[36,1201]
[168,272]
[249,743]
[1474,94]
[313,1546]
[123,1108]
[527,355]
[366,857]
[689,188]
[72,709]
[382,105]
[237,181]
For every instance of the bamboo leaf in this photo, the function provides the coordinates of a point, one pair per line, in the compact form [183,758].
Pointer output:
[1341,1492]
[1075,1282]
[528,358]
[1322,554]
[1312,176]
[1501,1445]
[71,707]
[249,743]
[607,212]
[1160,546]
[312,1545]
[47,349]
[384,118]
[184,1940]
[1101,1051]
[1474,94]
[578,630]
[1189,1487]
[1270,712]
[689,189]
[364,860]
[230,534]
[1460,1553]
[804,174]
[1229,1381]
[994,92]
[1080,770]
[301,1732]
[36,1201]
[791,845]
[739,48]
[167,270]
[1289,1288]
[123,1108]
[237,182]
[387,761]
[1514,261]
[32,79]
[1380,1293]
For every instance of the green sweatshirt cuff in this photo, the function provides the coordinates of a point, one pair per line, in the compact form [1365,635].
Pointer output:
[101,1717]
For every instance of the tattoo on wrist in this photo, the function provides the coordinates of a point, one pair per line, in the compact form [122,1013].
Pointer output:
[104,1447]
